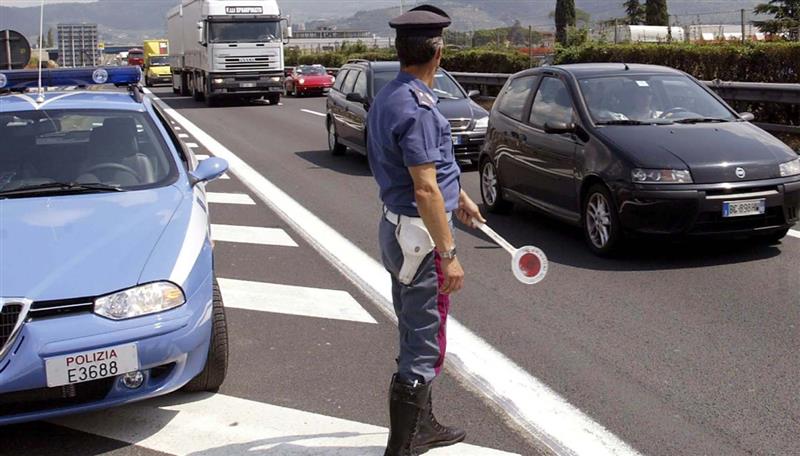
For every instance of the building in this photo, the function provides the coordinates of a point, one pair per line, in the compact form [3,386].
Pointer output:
[77,45]
[643,34]
[723,32]
[331,39]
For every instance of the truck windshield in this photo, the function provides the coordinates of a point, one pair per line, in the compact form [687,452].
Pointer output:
[159,61]
[244,32]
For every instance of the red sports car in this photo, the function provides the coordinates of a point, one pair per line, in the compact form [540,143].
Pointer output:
[309,79]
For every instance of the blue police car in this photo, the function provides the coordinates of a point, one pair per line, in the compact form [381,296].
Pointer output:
[107,288]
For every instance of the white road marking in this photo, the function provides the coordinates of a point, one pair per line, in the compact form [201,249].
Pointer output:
[313,112]
[183,135]
[225,176]
[229,198]
[201,156]
[293,300]
[178,128]
[251,235]
[527,401]
[183,424]
[794,233]
[192,145]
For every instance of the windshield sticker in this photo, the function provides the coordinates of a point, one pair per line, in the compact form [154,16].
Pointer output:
[642,84]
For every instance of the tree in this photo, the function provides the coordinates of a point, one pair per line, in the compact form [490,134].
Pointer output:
[785,18]
[634,10]
[656,12]
[565,17]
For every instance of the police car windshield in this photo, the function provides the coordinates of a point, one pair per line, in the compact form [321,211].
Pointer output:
[444,87]
[244,32]
[86,150]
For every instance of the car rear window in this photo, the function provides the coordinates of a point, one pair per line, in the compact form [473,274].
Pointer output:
[117,148]
[514,98]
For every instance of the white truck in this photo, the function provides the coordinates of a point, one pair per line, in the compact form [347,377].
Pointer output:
[227,48]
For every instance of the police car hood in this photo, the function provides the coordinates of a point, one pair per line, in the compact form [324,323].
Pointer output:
[76,246]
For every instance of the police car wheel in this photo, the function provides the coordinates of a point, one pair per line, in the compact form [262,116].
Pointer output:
[334,146]
[491,192]
[216,368]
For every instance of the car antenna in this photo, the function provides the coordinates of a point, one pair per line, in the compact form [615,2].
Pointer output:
[40,97]
[627,68]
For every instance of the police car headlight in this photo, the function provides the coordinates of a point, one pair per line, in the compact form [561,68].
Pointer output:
[482,124]
[791,168]
[138,301]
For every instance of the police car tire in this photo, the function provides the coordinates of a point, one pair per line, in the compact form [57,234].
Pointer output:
[500,204]
[216,368]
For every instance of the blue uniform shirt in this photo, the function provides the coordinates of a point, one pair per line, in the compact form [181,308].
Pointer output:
[406,129]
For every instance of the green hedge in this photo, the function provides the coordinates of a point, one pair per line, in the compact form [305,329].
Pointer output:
[753,62]
[472,60]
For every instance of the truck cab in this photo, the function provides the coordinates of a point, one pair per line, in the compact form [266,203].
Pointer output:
[238,50]
[156,63]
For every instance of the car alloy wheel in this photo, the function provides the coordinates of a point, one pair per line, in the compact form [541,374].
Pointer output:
[490,188]
[333,142]
[601,224]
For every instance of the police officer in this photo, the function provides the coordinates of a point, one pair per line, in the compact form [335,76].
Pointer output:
[411,155]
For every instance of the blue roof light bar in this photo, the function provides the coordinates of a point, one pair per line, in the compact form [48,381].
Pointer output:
[61,77]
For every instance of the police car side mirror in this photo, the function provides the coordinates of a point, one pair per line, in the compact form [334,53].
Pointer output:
[473,93]
[208,170]
[747,116]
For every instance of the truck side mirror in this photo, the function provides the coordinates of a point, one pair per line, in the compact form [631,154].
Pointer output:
[201,33]
[287,30]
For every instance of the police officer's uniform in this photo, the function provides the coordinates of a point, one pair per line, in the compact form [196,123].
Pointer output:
[407,129]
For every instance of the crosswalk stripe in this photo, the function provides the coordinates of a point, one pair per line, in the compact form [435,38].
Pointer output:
[293,300]
[229,198]
[251,235]
[794,233]
[217,424]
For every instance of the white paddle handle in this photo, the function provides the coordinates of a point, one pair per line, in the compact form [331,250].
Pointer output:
[494,236]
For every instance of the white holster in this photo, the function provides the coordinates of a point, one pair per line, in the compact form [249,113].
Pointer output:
[416,243]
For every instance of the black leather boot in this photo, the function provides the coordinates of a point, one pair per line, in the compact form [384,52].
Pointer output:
[433,434]
[407,404]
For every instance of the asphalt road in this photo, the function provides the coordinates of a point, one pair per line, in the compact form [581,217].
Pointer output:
[677,348]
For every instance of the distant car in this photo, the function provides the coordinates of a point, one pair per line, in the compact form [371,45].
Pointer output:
[136,57]
[354,91]
[108,293]
[622,149]
[309,80]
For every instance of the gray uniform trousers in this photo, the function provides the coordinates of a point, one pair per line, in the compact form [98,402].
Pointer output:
[421,310]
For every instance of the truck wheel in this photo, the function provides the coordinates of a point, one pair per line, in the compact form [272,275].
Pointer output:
[274,99]
[147,82]
[196,93]
[216,368]
[184,89]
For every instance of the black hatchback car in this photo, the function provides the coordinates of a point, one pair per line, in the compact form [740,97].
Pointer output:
[621,149]
[359,81]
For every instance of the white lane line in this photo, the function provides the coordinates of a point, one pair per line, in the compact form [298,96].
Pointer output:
[229,198]
[225,176]
[293,300]
[313,112]
[184,424]
[178,128]
[794,233]
[251,235]
[543,413]
[192,145]
[182,135]
[201,156]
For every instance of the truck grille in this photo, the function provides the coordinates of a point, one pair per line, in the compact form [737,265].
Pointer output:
[9,316]
[251,63]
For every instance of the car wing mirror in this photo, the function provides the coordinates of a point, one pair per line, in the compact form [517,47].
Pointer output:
[747,116]
[558,128]
[208,170]
[473,93]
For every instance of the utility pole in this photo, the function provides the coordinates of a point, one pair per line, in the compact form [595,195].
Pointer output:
[744,37]
[530,46]
[402,7]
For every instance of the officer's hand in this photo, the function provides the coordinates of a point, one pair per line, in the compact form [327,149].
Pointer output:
[467,210]
[453,276]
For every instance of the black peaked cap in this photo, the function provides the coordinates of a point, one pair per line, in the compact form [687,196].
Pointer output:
[424,20]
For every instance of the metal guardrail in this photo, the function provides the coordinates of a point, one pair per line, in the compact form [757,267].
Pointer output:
[754,92]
